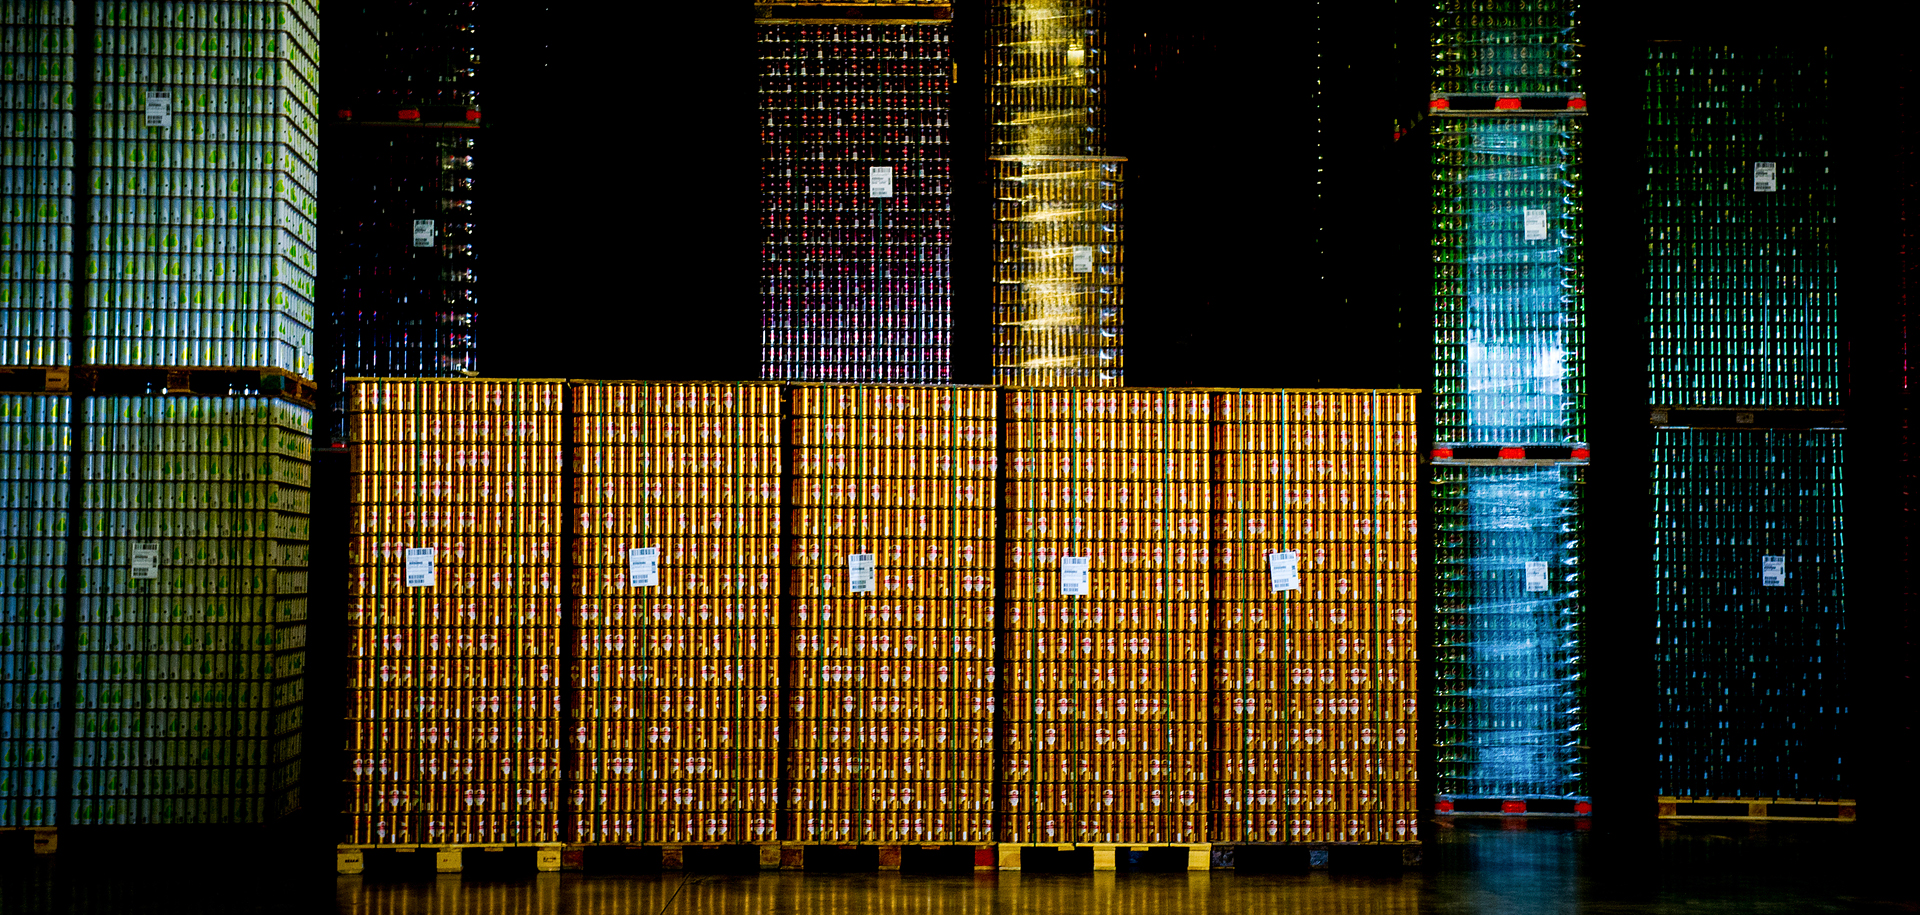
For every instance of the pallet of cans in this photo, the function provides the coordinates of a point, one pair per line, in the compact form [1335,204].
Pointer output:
[856,200]
[892,614]
[1738,185]
[1487,47]
[880,615]
[205,163]
[1059,271]
[1315,604]
[193,537]
[1507,273]
[1750,612]
[1106,592]
[456,602]
[1510,682]
[36,202]
[676,603]
[408,142]
[36,442]
[1046,78]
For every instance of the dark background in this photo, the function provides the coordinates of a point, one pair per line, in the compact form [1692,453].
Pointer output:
[619,204]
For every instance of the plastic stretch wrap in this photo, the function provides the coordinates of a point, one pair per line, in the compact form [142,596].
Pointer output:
[1509,306]
[1047,78]
[1508,692]
[1059,272]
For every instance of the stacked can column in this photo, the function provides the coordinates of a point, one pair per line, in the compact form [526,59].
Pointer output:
[36,206]
[188,693]
[1105,551]
[1510,625]
[1059,271]
[1746,385]
[405,193]
[455,613]
[1058,240]
[893,535]
[205,164]
[1315,627]
[676,609]
[856,196]
[1510,425]
[35,447]
[1047,77]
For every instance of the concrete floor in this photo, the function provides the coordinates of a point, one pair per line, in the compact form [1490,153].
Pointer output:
[1474,867]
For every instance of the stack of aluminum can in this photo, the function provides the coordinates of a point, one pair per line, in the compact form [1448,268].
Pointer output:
[1509,384]
[1104,545]
[1315,707]
[192,609]
[35,449]
[455,606]
[893,536]
[1058,221]
[676,608]
[36,204]
[856,198]
[205,166]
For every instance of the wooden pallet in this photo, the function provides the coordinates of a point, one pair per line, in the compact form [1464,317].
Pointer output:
[1319,854]
[448,859]
[120,379]
[673,857]
[1511,807]
[1199,856]
[793,855]
[1758,809]
[46,839]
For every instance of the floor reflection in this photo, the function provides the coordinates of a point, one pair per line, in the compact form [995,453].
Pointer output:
[1474,868]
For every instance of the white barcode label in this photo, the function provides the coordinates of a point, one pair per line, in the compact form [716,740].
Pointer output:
[860,573]
[1074,575]
[159,109]
[879,181]
[1284,568]
[1773,571]
[1535,222]
[423,233]
[1536,577]
[1083,258]
[420,567]
[146,560]
[643,567]
[1764,175]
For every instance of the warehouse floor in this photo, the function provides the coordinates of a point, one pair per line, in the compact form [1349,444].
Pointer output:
[1474,867]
